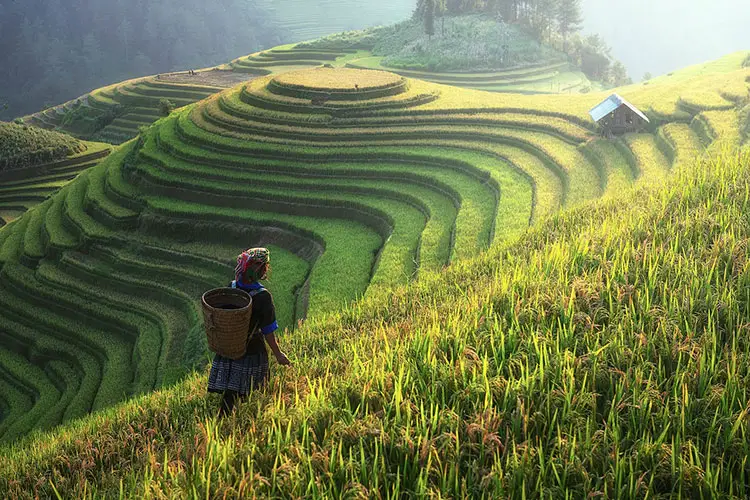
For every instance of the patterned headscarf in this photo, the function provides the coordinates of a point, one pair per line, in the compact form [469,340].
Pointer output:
[251,265]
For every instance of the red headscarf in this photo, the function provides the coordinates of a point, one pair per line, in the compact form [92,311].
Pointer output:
[252,265]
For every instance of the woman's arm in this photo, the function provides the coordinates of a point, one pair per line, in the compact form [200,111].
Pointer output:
[280,356]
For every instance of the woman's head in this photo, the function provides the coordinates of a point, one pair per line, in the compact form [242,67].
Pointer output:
[252,265]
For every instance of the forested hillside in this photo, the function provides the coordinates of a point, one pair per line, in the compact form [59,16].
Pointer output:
[54,50]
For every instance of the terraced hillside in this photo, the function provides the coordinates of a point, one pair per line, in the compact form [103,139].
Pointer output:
[25,188]
[603,354]
[35,163]
[358,180]
[114,114]
[541,78]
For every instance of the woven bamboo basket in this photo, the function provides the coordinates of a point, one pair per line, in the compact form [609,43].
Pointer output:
[226,316]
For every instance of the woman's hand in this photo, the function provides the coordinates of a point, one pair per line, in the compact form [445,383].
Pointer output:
[282,359]
[280,356]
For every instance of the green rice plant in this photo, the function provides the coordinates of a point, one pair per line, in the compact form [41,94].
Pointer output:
[537,79]
[616,170]
[75,368]
[554,125]
[32,185]
[397,258]
[169,269]
[365,152]
[683,145]
[19,402]
[171,310]
[106,210]
[256,93]
[162,85]
[139,326]
[652,165]
[434,246]
[57,236]
[75,218]
[267,66]
[127,124]
[278,54]
[349,129]
[509,75]
[422,183]
[476,208]
[50,185]
[112,353]
[724,128]
[552,153]
[33,381]
[348,245]
[329,153]
[153,88]
[33,243]
[688,92]
[132,95]
[587,357]
[13,240]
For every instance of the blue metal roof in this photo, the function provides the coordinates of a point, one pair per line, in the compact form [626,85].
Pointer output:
[610,104]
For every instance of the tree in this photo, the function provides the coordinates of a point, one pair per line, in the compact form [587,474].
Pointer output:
[647,76]
[429,18]
[569,19]
[441,7]
[592,55]
[619,74]
[542,18]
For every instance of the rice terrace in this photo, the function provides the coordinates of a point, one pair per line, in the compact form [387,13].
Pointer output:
[500,268]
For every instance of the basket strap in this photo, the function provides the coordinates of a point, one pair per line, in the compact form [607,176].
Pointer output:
[210,319]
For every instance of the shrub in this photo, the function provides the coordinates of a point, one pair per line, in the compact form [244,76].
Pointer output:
[24,146]
[165,107]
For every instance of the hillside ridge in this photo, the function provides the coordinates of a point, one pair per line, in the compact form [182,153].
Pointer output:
[529,369]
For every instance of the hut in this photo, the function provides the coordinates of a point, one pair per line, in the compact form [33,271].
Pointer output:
[617,116]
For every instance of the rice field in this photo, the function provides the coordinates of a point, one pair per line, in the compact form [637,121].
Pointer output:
[543,78]
[42,176]
[114,114]
[586,358]
[380,201]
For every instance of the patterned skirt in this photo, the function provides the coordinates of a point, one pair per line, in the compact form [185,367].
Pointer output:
[239,375]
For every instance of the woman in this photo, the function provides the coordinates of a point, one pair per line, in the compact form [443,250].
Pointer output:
[235,378]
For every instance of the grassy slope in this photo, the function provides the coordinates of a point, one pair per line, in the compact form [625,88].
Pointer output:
[676,144]
[206,181]
[605,352]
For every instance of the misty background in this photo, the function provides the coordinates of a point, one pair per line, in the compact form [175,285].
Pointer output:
[659,36]
[55,50]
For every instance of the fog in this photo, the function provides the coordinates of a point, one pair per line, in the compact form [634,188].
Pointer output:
[659,36]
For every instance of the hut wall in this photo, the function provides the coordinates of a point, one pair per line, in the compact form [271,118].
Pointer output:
[622,120]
